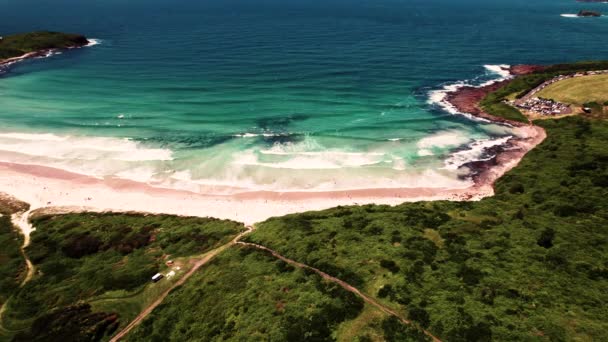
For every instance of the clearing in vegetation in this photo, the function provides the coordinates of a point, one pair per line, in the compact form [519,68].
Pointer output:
[578,90]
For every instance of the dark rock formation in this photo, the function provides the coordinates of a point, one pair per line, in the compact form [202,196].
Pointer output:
[586,13]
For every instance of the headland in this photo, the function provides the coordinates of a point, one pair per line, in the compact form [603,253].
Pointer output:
[18,47]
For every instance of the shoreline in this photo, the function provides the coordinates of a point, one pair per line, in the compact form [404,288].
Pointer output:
[51,190]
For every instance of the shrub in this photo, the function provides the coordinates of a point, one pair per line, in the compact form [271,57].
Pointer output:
[389,265]
[81,245]
[546,238]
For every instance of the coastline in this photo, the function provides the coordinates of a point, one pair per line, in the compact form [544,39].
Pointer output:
[50,190]
[41,53]
[505,156]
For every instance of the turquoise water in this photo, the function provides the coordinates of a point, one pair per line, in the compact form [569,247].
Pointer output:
[275,95]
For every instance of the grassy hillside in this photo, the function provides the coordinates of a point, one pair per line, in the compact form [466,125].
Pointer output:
[12,263]
[94,270]
[19,44]
[530,263]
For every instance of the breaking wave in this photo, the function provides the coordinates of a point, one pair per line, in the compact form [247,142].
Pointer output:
[476,151]
[438,97]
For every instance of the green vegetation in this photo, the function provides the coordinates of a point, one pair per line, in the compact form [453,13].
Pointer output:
[12,263]
[493,103]
[579,90]
[97,268]
[20,44]
[530,263]
[248,295]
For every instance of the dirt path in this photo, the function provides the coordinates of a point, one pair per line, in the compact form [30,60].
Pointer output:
[208,257]
[343,284]
[21,221]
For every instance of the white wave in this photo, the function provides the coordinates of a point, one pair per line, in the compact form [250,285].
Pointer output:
[334,153]
[255,135]
[93,42]
[474,152]
[327,160]
[143,174]
[236,180]
[51,146]
[441,140]
[501,69]
[438,97]
[33,136]
[49,53]
[573,15]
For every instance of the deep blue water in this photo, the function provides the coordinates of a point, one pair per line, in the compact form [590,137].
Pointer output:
[270,94]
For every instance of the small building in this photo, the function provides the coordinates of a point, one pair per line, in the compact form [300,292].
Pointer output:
[157,277]
[587,110]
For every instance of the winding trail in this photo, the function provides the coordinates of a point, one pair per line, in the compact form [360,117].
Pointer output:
[21,221]
[236,241]
[342,283]
[208,257]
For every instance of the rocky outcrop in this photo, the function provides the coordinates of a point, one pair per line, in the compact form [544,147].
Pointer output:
[586,13]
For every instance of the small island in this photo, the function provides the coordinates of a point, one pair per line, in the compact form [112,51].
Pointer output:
[587,13]
[21,46]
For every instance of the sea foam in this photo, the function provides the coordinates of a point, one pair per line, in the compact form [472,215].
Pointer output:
[91,156]
[438,97]
[93,42]
[476,151]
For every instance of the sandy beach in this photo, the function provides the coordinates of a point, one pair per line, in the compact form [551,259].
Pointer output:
[60,191]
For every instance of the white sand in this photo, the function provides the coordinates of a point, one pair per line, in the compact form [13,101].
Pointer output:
[44,187]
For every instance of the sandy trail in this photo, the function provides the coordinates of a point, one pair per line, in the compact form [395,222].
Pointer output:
[21,221]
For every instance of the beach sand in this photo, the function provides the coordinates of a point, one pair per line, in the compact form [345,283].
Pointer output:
[59,191]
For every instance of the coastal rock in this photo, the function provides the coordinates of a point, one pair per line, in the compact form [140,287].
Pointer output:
[586,13]
[466,100]
[477,168]
[524,69]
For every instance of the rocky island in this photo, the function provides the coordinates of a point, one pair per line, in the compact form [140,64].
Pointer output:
[586,13]
[21,46]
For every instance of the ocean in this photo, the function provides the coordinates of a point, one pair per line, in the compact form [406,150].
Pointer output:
[227,96]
